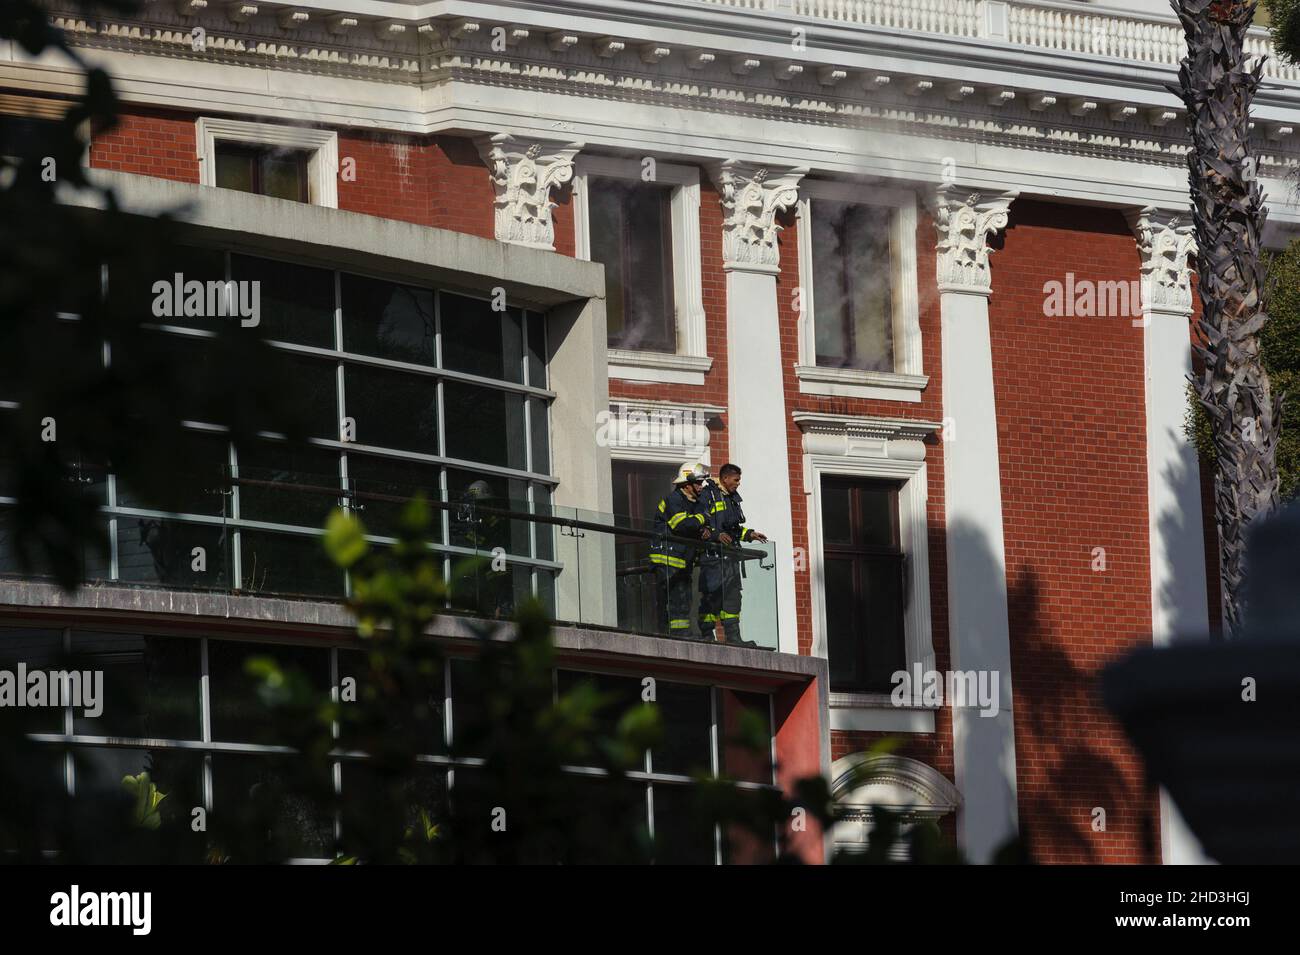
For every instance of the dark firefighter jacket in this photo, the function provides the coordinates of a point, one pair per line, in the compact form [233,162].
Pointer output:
[725,515]
[677,516]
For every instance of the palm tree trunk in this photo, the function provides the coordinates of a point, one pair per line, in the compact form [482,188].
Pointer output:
[1217,85]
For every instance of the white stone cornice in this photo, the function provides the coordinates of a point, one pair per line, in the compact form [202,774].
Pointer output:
[825,433]
[524,171]
[752,196]
[1166,242]
[964,224]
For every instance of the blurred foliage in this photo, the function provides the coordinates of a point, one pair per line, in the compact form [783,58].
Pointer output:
[1280,345]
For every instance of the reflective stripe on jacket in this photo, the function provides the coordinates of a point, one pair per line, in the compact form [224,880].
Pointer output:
[676,516]
[725,514]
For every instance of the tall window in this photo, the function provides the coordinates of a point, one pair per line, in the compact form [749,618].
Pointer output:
[852,285]
[631,234]
[264,170]
[864,584]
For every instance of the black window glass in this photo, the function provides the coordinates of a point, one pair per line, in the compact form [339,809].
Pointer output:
[194,485]
[287,564]
[423,718]
[280,798]
[287,484]
[37,650]
[480,341]
[687,716]
[631,234]
[295,302]
[537,350]
[387,320]
[485,426]
[683,833]
[393,409]
[159,551]
[383,487]
[540,425]
[745,730]
[239,712]
[150,689]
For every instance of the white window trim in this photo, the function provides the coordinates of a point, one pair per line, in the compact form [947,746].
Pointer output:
[691,361]
[888,449]
[621,450]
[322,167]
[908,379]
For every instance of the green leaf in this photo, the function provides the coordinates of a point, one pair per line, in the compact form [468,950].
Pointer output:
[345,539]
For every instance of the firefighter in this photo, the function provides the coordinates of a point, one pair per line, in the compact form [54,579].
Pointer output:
[719,571]
[678,517]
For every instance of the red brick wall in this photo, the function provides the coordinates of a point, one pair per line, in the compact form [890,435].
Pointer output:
[155,143]
[1071,431]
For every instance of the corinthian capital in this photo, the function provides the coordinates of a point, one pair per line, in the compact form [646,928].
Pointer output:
[751,198]
[523,172]
[1165,241]
[964,222]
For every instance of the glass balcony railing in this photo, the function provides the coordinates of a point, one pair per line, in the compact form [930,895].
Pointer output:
[257,531]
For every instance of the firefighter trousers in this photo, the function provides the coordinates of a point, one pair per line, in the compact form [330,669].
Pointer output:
[674,600]
[720,598]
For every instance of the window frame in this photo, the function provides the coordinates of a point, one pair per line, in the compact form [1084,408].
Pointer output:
[322,146]
[907,380]
[859,553]
[691,360]
[895,454]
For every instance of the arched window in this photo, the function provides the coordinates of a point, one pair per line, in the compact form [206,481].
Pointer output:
[864,782]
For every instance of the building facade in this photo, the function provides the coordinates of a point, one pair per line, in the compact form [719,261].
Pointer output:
[922,268]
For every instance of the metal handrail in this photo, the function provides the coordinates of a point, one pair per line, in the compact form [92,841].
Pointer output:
[734,551]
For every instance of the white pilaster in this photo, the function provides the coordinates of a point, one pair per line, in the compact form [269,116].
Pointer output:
[1179,605]
[757,420]
[984,747]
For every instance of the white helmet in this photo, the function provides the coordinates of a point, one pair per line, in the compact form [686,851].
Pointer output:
[691,472]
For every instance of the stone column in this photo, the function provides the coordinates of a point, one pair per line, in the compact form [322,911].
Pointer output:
[757,418]
[984,747]
[1179,605]
[524,171]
